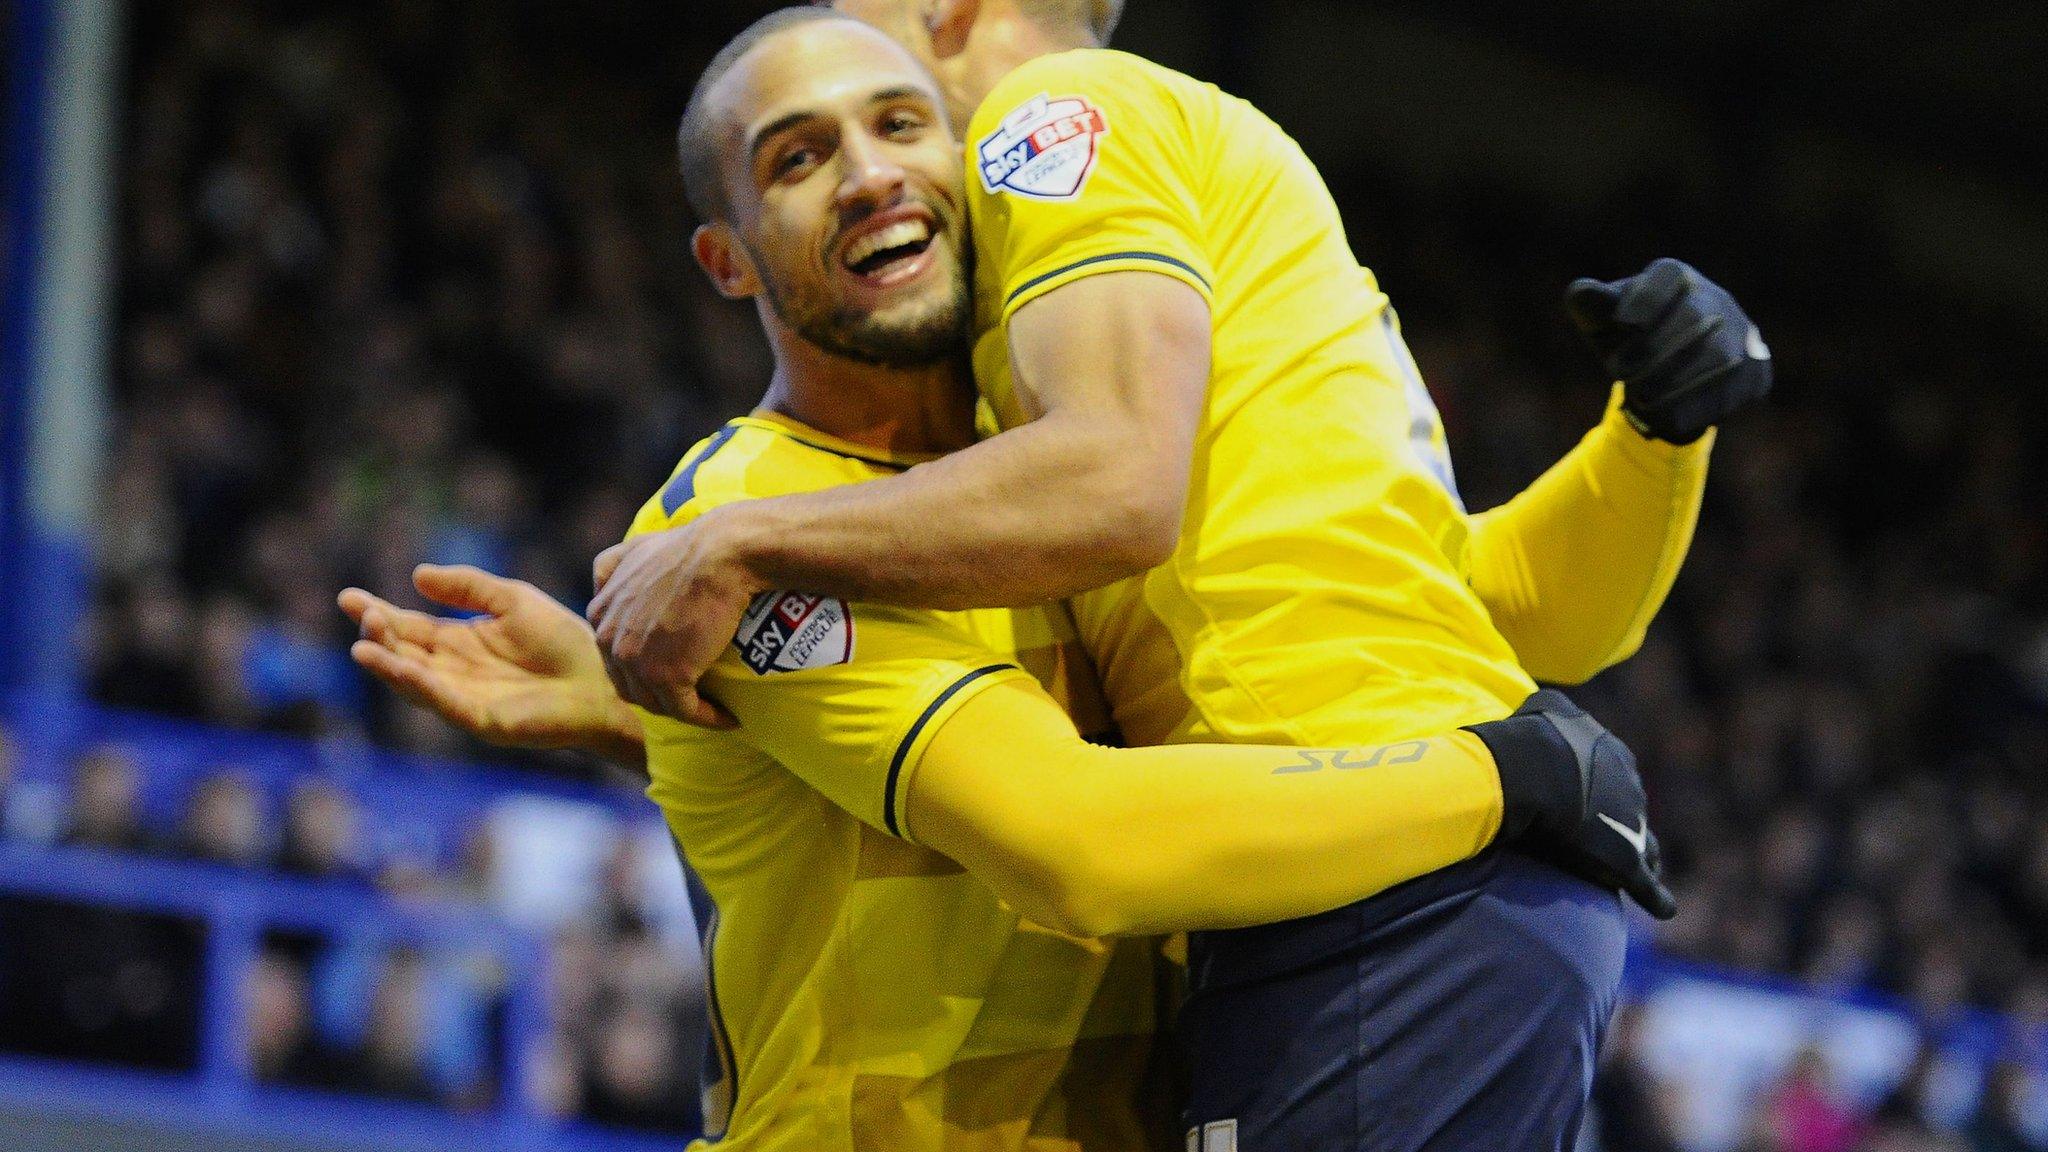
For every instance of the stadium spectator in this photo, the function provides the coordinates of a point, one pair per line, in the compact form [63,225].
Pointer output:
[105,811]
[1998,1125]
[146,658]
[282,1047]
[576,982]
[487,520]
[392,1059]
[224,823]
[321,830]
[1805,1113]
[476,864]
[1632,1109]
[633,1075]
[1903,1119]
[86,982]
[621,908]
[293,673]
[636,1028]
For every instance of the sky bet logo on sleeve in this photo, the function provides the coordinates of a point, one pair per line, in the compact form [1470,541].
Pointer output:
[1044,150]
[789,631]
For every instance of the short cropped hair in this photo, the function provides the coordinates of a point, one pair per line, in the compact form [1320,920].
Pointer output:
[1095,17]
[697,138]
[697,144]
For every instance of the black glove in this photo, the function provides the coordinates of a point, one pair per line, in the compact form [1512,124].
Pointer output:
[1685,352]
[1571,795]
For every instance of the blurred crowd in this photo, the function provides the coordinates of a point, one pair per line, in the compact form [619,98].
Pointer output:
[1808,1109]
[338,1011]
[406,281]
[376,264]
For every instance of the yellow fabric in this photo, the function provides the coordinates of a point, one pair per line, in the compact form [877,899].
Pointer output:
[1575,567]
[866,992]
[1317,596]
[1195,836]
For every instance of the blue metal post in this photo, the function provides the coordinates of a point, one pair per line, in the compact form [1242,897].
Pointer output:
[233,935]
[526,1122]
[57,313]
[21,236]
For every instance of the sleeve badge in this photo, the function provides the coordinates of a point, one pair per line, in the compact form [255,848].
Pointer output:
[1044,150]
[791,631]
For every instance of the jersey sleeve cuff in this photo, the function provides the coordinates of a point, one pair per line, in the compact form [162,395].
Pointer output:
[1047,275]
[911,748]
[1652,456]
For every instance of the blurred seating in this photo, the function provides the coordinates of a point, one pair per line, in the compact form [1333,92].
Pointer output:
[255,909]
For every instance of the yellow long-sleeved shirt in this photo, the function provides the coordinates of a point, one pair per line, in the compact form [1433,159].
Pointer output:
[1575,567]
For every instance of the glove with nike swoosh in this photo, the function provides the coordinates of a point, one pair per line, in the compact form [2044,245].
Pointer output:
[1685,352]
[1571,794]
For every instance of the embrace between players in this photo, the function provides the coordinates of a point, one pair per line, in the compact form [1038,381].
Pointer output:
[1202,510]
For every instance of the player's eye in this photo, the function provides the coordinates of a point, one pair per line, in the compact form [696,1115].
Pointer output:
[795,160]
[902,125]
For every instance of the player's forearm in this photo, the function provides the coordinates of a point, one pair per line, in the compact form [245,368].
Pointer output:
[1098,842]
[1191,838]
[1039,513]
[578,710]
[560,715]
[1575,567]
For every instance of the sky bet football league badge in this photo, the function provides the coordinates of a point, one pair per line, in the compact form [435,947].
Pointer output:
[790,631]
[1044,150]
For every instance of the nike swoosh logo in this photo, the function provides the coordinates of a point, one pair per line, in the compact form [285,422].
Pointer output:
[1758,350]
[1638,837]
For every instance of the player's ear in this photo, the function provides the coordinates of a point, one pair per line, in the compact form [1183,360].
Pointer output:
[949,24]
[726,261]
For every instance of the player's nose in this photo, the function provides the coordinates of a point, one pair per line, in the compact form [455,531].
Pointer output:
[871,176]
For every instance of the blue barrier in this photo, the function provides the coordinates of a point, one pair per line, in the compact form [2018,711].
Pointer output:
[236,910]
[417,804]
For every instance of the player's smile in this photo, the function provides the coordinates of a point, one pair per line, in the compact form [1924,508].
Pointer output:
[890,248]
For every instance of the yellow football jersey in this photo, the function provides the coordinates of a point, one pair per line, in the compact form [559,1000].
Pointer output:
[866,992]
[1316,596]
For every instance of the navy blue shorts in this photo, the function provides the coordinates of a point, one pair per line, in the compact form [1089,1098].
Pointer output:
[1461,1012]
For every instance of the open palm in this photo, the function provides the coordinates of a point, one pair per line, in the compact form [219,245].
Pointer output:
[526,672]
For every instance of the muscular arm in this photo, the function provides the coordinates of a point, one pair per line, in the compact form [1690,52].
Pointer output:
[1099,841]
[1575,567]
[1113,369]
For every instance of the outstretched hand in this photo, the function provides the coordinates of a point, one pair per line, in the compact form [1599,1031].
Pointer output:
[525,672]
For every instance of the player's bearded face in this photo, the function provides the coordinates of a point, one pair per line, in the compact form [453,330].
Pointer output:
[904,304]
[855,217]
